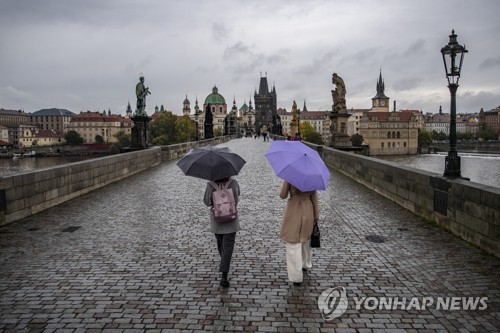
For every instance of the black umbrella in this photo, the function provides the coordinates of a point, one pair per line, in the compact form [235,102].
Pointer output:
[211,163]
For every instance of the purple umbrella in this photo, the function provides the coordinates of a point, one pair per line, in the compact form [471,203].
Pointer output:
[298,165]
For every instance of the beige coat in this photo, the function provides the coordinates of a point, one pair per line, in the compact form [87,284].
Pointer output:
[300,212]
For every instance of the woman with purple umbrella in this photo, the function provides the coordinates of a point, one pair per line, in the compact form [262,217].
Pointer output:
[304,173]
[301,212]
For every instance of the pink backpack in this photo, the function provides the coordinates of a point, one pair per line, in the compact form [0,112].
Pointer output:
[224,205]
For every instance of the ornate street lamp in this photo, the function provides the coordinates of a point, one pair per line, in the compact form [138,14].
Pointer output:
[453,56]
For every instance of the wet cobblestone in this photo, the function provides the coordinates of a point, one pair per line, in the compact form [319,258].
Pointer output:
[143,259]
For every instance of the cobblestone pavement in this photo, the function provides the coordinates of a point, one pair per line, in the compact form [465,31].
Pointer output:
[140,257]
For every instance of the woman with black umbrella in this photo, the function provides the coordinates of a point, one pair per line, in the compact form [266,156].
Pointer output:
[225,232]
[217,165]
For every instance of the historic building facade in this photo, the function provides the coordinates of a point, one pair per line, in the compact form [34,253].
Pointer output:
[91,124]
[319,120]
[390,132]
[266,108]
[246,118]
[14,120]
[491,119]
[354,120]
[35,137]
[51,119]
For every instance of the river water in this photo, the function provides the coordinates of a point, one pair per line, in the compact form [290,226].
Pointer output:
[9,165]
[480,168]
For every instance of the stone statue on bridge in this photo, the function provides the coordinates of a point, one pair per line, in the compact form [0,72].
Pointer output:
[338,94]
[338,116]
[141,92]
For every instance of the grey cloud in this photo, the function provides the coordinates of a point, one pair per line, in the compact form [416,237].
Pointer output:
[82,54]
[318,65]
[219,31]
[241,59]
[472,102]
[408,83]
[236,51]
[490,62]
[418,47]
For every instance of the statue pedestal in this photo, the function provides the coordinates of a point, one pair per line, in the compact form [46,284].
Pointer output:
[140,134]
[338,130]
[294,128]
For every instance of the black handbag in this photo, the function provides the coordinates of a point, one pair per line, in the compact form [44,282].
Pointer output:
[315,236]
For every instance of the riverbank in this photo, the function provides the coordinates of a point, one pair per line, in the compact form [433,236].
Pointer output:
[483,168]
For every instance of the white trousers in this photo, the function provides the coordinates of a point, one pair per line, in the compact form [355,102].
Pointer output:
[298,256]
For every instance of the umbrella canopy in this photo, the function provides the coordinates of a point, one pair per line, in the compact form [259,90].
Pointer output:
[299,165]
[211,163]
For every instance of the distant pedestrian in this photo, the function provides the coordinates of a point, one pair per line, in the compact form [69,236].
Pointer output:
[225,232]
[297,137]
[300,213]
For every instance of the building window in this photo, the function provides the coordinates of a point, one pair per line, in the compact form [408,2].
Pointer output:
[382,145]
[404,144]
[388,135]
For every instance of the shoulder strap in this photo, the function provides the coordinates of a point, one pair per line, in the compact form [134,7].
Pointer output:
[228,183]
[225,186]
[214,185]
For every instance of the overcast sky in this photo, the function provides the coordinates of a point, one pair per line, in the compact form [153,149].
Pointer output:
[88,54]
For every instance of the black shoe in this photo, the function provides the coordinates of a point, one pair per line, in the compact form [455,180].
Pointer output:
[304,269]
[297,283]
[224,283]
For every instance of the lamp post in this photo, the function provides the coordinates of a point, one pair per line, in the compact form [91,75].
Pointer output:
[453,56]
[197,125]
[298,123]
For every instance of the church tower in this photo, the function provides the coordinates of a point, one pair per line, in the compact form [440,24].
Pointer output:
[265,106]
[380,102]
[196,107]
[186,108]
[128,113]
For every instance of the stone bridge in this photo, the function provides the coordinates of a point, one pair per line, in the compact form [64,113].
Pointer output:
[137,255]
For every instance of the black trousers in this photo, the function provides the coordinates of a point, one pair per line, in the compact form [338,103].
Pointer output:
[225,245]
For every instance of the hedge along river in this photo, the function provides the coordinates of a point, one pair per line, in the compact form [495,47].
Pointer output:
[481,168]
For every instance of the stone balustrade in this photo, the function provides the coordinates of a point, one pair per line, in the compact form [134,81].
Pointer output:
[24,194]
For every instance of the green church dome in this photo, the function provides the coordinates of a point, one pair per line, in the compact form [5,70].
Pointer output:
[215,97]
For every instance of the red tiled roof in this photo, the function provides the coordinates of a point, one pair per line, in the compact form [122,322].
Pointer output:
[46,134]
[95,116]
[314,114]
[440,118]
